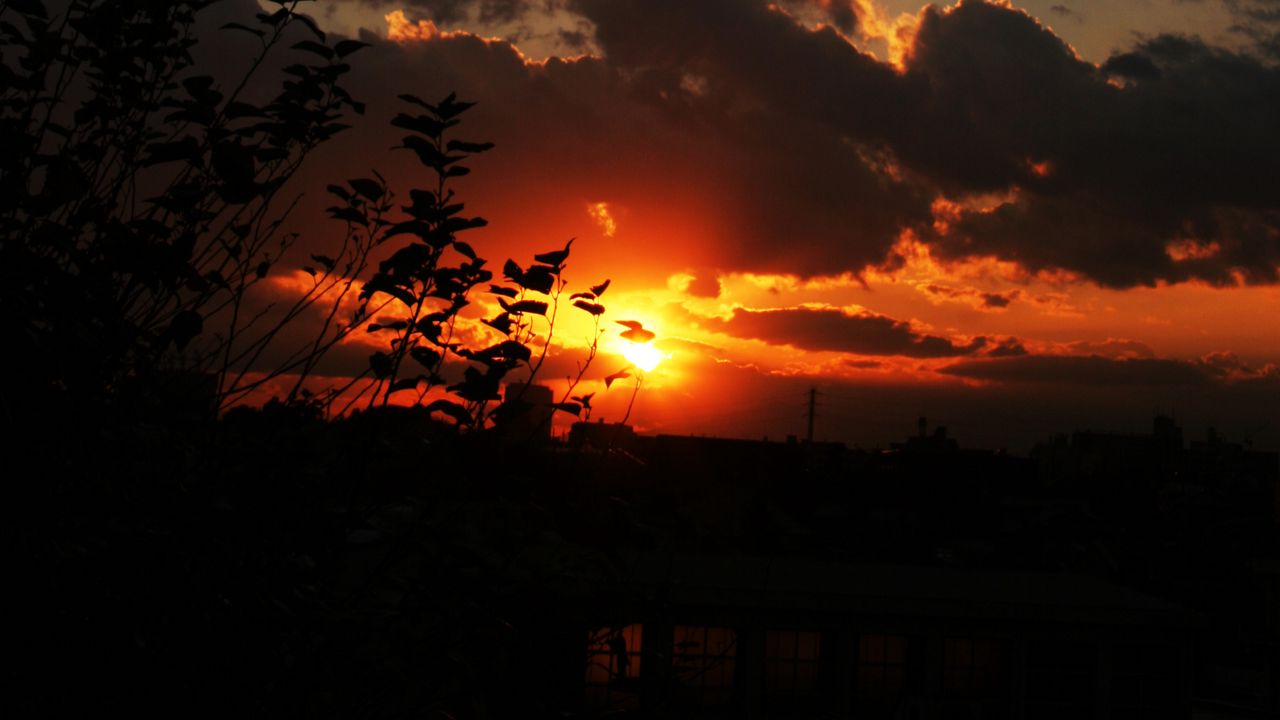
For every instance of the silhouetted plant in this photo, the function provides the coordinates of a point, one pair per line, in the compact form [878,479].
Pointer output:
[139,202]
[428,280]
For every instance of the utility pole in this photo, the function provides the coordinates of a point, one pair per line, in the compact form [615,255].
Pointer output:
[813,408]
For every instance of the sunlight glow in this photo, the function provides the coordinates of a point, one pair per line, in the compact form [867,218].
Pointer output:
[644,356]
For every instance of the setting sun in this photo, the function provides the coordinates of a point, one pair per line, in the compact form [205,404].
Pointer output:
[644,356]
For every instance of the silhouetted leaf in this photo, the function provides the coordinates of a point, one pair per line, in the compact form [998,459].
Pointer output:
[590,307]
[555,258]
[452,409]
[501,323]
[261,270]
[184,149]
[465,249]
[34,8]
[426,357]
[503,291]
[310,24]
[366,187]
[328,262]
[599,289]
[583,295]
[185,327]
[538,278]
[380,364]
[585,400]
[569,407]
[620,375]
[348,214]
[243,28]
[198,85]
[347,47]
[636,332]
[404,384]
[469,147]
[533,307]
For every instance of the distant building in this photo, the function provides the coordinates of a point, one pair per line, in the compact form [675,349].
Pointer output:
[740,636]
[529,411]
[601,436]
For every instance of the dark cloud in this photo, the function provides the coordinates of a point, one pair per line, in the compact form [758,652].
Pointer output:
[450,12]
[792,151]
[1066,12]
[704,285]
[1007,348]
[831,329]
[1183,150]
[1073,370]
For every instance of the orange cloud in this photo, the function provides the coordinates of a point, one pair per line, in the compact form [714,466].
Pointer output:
[402,30]
[599,212]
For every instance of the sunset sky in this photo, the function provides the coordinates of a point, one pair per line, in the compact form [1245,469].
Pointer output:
[1013,218]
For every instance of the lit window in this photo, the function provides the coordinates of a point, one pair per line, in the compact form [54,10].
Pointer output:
[613,665]
[704,660]
[791,667]
[882,665]
[971,666]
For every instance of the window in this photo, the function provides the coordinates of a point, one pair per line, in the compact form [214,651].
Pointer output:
[1061,677]
[971,666]
[1145,681]
[613,666]
[704,660]
[882,666]
[791,667]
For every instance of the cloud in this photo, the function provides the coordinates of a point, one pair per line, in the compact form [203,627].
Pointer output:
[740,139]
[833,329]
[1074,370]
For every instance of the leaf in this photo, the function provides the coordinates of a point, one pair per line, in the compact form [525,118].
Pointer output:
[590,307]
[261,270]
[366,187]
[380,364]
[197,86]
[512,271]
[468,147]
[452,409]
[583,295]
[465,249]
[34,8]
[599,289]
[636,332]
[569,407]
[501,323]
[585,400]
[405,384]
[555,258]
[638,336]
[185,327]
[533,307]
[242,28]
[538,278]
[328,262]
[503,291]
[620,375]
[426,357]
[314,47]
[347,47]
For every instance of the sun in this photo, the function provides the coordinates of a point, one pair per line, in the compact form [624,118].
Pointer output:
[643,355]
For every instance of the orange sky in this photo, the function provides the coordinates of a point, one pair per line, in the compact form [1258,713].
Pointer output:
[1012,218]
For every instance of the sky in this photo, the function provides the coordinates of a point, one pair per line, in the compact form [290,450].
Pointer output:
[1013,218]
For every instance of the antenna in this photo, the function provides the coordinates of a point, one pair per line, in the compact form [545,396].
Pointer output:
[813,409]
